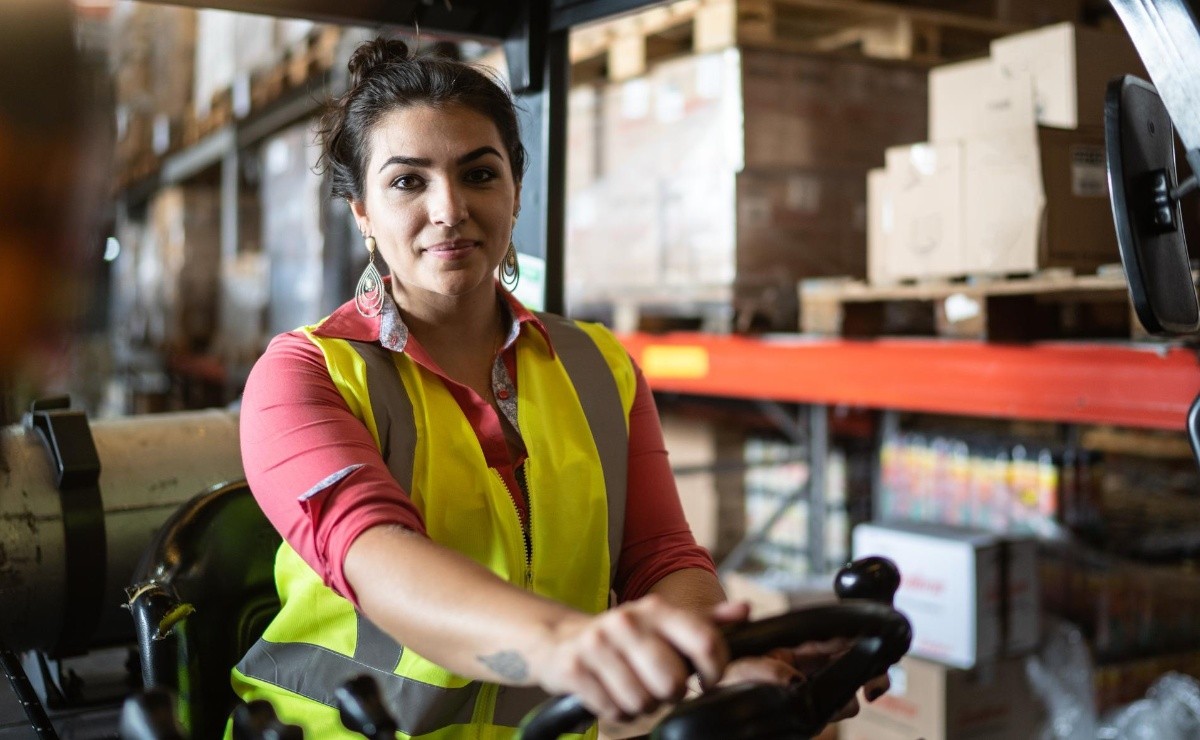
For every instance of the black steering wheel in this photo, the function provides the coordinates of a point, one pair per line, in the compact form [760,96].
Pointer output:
[753,711]
[750,711]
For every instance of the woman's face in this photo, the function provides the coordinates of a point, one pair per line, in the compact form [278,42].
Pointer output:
[439,198]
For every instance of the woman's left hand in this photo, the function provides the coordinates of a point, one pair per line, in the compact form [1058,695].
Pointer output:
[783,666]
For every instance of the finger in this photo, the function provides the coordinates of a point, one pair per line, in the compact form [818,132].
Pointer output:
[655,662]
[697,639]
[811,657]
[782,654]
[761,670]
[591,692]
[615,674]
[823,648]
[876,687]
[731,612]
[846,712]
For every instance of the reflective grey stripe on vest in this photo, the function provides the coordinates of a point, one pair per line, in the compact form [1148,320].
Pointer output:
[393,412]
[314,672]
[601,402]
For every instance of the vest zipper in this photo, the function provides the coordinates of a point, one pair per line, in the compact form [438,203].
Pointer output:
[524,523]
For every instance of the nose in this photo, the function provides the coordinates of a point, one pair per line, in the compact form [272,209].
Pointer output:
[447,204]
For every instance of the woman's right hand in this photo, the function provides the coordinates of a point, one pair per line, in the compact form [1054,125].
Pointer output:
[630,660]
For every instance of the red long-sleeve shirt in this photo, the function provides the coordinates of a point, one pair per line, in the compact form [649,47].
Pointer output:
[318,476]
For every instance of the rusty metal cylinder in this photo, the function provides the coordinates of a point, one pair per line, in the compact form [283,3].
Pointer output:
[149,465]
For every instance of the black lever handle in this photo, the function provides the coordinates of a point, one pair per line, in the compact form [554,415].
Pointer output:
[362,710]
[257,720]
[150,716]
[872,578]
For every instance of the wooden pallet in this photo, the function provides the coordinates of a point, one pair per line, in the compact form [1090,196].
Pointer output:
[622,48]
[658,311]
[1054,304]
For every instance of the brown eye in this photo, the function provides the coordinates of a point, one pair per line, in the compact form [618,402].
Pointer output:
[480,175]
[407,182]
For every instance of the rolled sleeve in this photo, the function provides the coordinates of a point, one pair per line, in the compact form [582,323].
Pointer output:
[312,465]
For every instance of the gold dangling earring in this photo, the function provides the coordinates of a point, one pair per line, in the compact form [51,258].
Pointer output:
[510,271]
[368,294]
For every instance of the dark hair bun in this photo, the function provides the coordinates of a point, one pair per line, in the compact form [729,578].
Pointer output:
[373,55]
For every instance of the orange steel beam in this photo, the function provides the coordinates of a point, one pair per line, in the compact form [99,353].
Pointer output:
[1129,385]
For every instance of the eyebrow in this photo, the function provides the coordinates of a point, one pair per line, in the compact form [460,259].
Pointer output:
[422,162]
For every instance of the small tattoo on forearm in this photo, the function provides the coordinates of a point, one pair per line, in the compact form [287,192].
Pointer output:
[508,664]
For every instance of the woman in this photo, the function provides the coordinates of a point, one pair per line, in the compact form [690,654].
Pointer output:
[454,474]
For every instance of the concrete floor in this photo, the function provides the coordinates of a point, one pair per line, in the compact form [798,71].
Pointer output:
[105,687]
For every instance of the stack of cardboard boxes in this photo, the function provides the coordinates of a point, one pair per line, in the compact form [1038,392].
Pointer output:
[152,63]
[973,600]
[1013,177]
[728,176]
[170,63]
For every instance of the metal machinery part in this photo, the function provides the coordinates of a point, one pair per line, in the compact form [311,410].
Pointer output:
[149,465]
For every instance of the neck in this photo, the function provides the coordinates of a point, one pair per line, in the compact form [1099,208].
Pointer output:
[437,320]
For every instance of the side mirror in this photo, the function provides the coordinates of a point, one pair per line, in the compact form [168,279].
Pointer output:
[1140,143]
[1140,122]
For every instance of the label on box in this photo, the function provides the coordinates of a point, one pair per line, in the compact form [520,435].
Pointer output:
[1089,176]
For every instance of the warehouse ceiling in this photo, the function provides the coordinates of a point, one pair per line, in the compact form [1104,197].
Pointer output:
[485,19]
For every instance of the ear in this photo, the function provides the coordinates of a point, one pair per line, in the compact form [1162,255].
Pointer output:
[359,209]
[517,199]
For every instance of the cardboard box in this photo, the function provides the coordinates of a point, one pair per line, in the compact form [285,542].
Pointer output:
[974,98]
[1035,199]
[1018,200]
[925,182]
[881,211]
[1003,201]
[794,224]
[814,111]
[935,702]
[710,491]
[728,176]
[967,593]
[1070,68]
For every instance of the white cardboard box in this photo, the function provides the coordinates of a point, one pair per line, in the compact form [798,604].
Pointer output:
[925,182]
[1003,201]
[934,702]
[1070,67]
[881,212]
[974,98]
[1035,199]
[967,593]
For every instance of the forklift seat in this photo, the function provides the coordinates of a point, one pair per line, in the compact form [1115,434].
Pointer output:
[202,594]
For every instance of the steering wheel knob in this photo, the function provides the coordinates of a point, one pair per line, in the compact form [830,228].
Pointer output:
[872,578]
[257,720]
[362,710]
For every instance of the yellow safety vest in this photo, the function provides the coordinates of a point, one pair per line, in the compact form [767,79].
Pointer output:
[573,415]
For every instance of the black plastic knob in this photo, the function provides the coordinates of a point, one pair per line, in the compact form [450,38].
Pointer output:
[150,716]
[362,710]
[257,720]
[872,578]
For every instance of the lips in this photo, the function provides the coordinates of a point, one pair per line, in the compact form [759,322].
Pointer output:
[454,249]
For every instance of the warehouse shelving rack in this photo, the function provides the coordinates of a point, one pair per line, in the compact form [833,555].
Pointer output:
[1146,386]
